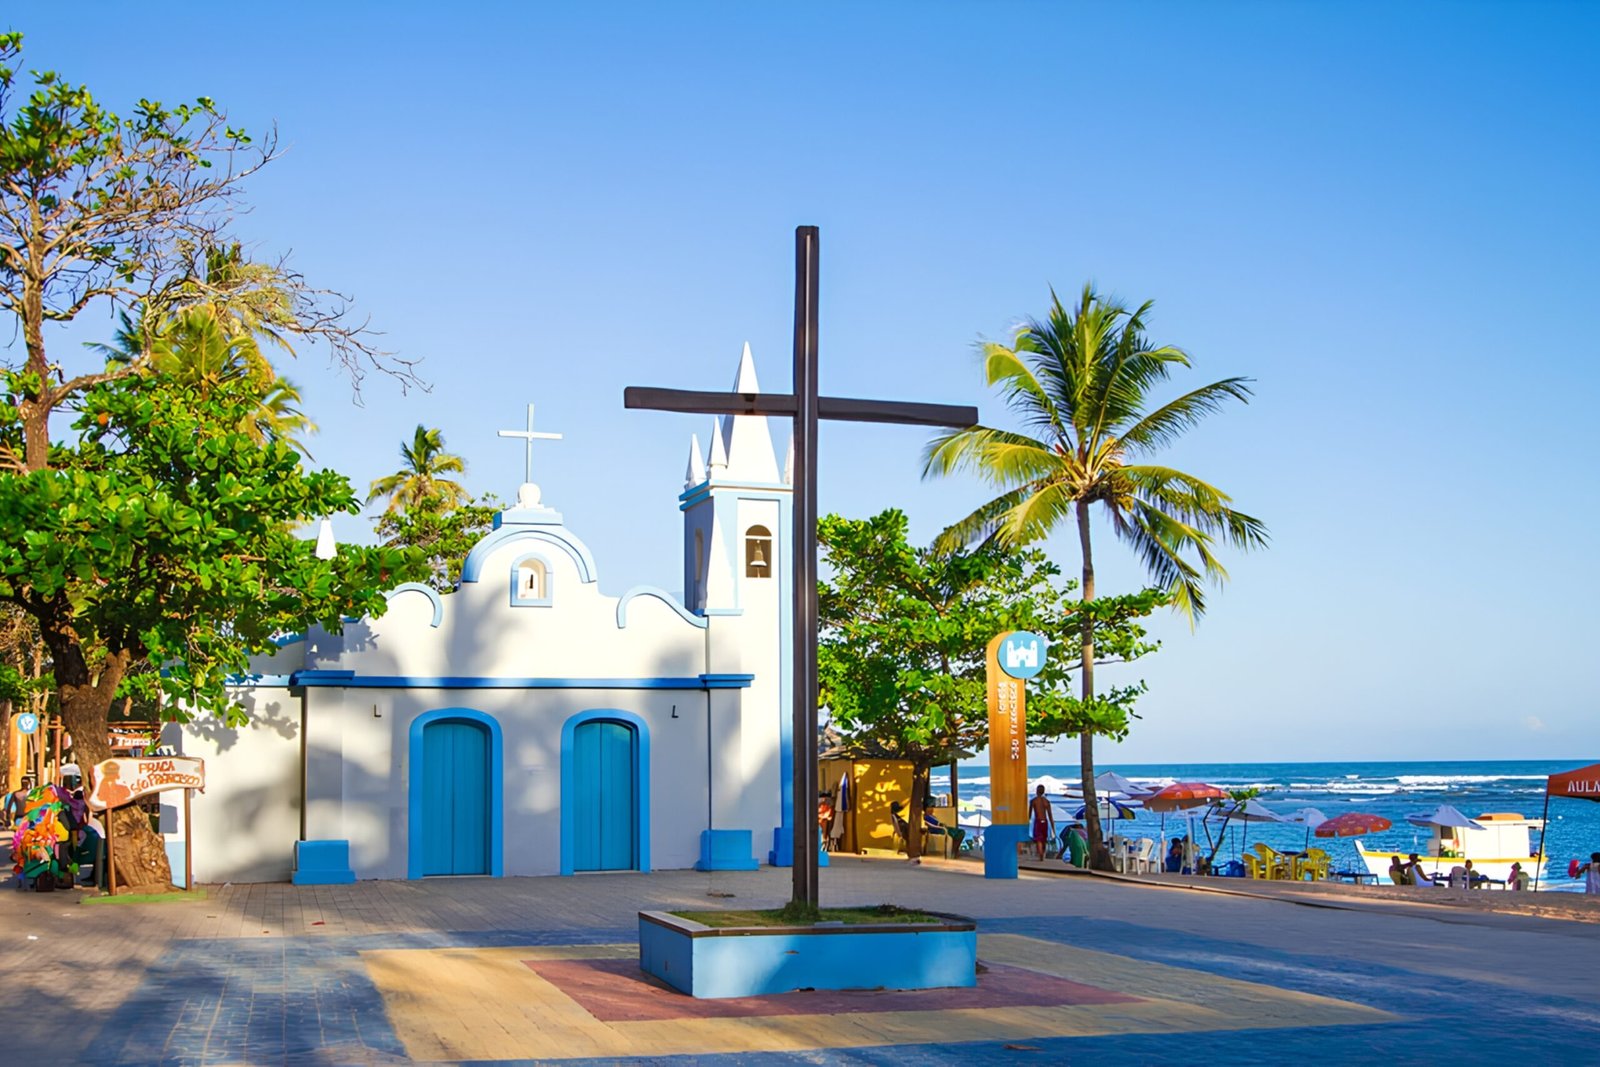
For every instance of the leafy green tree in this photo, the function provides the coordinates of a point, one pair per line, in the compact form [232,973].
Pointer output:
[162,535]
[133,211]
[419,483]
[444,535]
[1080,382]
[904,638]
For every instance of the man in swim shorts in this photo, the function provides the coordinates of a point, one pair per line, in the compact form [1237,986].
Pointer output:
[1044,820]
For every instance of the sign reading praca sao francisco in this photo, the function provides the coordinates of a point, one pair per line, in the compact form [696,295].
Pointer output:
[1013,657]
[125,779]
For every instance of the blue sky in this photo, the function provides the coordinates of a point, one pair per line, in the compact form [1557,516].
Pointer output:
[1384,214]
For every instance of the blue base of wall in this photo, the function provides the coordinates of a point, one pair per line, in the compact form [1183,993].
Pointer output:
[726,850]
[322,863]
[175,861]
[782,854]
[714,963]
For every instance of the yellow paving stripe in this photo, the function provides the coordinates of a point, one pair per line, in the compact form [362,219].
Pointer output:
[486,1004]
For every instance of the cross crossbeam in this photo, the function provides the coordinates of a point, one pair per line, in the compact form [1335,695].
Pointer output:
[805,408]
[783,405]
[529,436]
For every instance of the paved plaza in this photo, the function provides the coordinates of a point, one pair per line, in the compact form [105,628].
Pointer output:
[536,970]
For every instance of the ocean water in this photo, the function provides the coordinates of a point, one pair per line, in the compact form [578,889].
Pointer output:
[1393,790]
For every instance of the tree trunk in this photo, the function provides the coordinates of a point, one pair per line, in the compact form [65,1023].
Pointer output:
[140,853]
[1091,805]
[919,789]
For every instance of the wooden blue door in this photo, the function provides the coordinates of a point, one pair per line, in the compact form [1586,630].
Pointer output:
[605,822]
[455,798]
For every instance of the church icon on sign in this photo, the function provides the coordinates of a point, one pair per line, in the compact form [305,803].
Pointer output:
[1022,654]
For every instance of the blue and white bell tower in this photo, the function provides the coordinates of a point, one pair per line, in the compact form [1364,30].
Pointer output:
[737,573]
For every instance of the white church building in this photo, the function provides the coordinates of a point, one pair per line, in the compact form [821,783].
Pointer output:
[530,722]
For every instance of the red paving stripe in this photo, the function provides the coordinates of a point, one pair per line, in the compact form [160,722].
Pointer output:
[618,991]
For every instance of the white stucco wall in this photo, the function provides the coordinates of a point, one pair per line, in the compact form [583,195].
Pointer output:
[248,819]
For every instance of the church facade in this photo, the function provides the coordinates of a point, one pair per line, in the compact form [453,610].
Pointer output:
[529,723]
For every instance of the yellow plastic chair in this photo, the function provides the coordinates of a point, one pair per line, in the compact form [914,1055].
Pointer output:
[1254,868]
[1275,863]
[1313,863]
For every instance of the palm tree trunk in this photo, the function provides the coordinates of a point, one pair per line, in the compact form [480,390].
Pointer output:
[1091,806]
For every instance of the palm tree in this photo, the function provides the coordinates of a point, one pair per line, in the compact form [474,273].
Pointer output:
[205,347]
[1080,383]
[418,483]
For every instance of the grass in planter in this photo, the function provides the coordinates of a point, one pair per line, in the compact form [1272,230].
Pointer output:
[793,914]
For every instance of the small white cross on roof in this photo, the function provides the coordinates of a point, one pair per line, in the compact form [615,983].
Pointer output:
[529,437]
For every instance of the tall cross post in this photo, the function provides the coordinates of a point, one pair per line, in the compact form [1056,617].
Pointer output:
[529,437]
[804,407]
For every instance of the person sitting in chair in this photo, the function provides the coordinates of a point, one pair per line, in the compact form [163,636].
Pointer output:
[932,825]
[1398,873]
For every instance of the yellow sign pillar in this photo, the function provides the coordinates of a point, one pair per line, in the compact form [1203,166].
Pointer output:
[1008,741]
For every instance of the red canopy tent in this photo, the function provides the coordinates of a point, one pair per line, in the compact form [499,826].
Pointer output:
[1581,784]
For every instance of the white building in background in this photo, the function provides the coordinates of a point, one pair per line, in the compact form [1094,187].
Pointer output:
[530,723]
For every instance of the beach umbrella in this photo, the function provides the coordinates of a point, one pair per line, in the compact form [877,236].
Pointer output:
[1180,795]
[1109,809]
[1051,784]
[1183,795]
[1307,817]
[1112,782]
[1443,815]
[1351,823]
[979,802]
[1247,812]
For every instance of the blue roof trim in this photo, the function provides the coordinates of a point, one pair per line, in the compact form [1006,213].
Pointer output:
[349,680]
[662,595]
[432,594]
[285,640]
[260,681]
[472,569]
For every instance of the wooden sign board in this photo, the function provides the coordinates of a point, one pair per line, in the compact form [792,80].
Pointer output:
[125,779]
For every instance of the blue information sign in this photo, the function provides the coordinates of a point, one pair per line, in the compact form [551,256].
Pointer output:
[1021,654]
[27,722]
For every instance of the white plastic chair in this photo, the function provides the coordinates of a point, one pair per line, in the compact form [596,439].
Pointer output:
[1144,859]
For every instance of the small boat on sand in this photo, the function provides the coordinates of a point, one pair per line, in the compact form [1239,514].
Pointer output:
[1493,842]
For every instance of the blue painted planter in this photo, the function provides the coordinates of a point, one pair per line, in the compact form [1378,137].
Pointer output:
[742,961]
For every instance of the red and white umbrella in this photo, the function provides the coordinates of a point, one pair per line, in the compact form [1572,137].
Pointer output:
[1352,823]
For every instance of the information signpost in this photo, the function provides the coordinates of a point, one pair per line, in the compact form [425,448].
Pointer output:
[1013,658]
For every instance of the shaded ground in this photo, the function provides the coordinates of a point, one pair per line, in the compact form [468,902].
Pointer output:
[274,973]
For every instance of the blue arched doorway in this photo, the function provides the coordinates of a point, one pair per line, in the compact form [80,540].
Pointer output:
[455,825]
[605,793]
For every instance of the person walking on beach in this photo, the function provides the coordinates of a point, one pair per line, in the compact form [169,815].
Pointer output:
[1044,820]
[1591,871]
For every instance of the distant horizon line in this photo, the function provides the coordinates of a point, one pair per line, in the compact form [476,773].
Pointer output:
[984,764]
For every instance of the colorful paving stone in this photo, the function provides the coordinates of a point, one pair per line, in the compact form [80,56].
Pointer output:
[522,1003]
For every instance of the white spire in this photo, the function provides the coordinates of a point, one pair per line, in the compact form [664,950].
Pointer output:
[788,463]
[749,440]
[695,472]
[719,450]
[745,380]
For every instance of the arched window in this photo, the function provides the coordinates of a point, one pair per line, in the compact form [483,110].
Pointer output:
[758,552]
[530,582]
[696,592]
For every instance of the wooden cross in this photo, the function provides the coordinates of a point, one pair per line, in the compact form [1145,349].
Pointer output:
[529,437]
[804,407]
